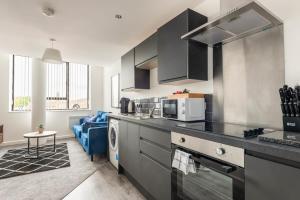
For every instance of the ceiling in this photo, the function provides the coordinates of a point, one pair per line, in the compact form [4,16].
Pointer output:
[86,30]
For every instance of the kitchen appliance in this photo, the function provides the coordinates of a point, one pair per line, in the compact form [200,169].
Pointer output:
[245,20]
[113,138]
[232,130]
[219,170]
[183,109]
[282,137]
[124,104]
[131,106]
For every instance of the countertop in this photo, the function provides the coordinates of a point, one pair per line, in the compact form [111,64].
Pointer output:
[275,150]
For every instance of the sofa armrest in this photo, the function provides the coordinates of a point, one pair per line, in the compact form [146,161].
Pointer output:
[81,120]
[97,139]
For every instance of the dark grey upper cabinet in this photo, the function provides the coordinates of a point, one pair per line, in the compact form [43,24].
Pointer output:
[270,180]
[181,59]
[131,77]
[146,53]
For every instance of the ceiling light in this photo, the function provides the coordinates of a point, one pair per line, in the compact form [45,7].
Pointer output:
[52,55]
[118,16]
[49,12]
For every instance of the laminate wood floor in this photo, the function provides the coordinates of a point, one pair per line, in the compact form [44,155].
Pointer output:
[105,183]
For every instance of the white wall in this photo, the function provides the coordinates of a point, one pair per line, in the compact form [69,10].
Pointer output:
[18,123]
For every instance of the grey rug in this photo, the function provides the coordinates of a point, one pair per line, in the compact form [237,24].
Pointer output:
[13,163]
[53,184]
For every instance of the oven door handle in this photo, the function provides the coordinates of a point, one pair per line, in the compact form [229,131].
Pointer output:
[214,165]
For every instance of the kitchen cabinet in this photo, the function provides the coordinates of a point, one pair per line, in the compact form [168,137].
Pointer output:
[156,178]
[270,180]
[123,144]
[133,150]
[131,77]
[146,53]
[158,137]
[129,148]
[163,156]
[181,60]
[146,158]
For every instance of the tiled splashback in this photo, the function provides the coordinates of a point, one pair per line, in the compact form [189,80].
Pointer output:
[146,105]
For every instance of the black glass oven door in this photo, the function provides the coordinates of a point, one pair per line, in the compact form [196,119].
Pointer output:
[210,182]
[170,109]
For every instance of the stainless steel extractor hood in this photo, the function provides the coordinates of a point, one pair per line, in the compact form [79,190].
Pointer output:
[240,22]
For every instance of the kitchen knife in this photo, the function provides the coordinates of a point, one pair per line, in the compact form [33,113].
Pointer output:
[297,100]
[282,97]
[291,96]
[286,100]
[281,94]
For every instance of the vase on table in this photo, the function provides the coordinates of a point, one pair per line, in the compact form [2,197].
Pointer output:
[41,129]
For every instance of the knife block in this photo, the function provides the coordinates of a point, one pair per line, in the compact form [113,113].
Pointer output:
[291,124]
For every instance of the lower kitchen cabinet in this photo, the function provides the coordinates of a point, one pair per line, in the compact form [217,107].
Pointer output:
[123,144]
[133,150]
[269,180]
[155,178]
[129,148]
[145,154]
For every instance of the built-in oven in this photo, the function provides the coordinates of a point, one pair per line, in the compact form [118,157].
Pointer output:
[215,178]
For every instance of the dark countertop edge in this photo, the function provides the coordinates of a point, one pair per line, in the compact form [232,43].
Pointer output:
[142,121]
[275,150]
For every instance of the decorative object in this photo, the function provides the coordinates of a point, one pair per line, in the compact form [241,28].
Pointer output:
[41,128]
[115,91]
[52,55]
[22,166]
[76,107]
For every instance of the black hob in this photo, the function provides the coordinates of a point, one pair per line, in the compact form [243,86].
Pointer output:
[233,130]
[282,137]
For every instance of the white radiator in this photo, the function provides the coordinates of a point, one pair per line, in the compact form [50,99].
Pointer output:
[74,120]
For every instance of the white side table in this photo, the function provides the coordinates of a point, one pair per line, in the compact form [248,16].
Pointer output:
[37,136]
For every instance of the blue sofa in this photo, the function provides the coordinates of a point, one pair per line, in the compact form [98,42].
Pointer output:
[91,133]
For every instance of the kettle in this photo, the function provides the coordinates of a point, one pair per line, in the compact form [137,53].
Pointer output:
[124,105]
[131,107]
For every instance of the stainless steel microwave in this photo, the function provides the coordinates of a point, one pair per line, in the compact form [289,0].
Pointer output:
[183,109]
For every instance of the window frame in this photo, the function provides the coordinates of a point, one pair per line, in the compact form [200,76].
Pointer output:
[13,86]
[67,98]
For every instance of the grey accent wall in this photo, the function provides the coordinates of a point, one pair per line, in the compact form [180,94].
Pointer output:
[253,71]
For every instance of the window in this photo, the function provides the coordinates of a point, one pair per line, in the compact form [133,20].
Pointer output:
[21,83]
[67,86]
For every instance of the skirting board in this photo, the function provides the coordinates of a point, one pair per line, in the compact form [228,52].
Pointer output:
[17,142]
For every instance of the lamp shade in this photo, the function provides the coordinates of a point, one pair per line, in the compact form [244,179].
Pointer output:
[52,56]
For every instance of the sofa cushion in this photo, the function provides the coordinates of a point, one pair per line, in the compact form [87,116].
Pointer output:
[77,129]
[93,118]
[102,117]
